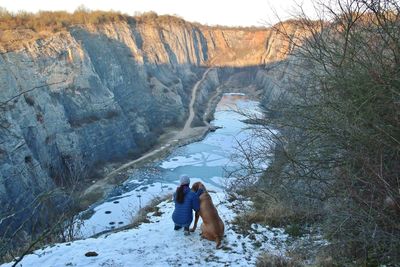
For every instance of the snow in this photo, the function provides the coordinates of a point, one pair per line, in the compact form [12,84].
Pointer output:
[208,158]
[217,148]
[157,244]
[197,159]
[121,210]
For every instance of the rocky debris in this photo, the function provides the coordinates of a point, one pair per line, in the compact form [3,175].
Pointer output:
[213,128]
[91,254]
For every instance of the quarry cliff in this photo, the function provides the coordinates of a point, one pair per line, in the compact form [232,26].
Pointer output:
[74,99]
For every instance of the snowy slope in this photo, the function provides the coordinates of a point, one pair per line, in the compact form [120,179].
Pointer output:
[157,244]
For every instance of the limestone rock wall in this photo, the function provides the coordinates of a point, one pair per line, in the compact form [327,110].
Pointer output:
[97,93]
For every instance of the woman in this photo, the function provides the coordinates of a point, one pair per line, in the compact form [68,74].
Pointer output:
[185,201]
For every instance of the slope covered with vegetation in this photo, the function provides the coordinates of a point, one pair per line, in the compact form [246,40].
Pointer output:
[335,151]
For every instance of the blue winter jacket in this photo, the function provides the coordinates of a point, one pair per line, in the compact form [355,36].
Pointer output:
[183,214]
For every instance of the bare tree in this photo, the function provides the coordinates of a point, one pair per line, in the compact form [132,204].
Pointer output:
[47,216]
[337,150]
[52,216]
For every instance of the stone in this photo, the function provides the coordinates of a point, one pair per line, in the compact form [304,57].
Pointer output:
[91,254]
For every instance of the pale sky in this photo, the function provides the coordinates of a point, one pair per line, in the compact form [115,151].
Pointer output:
[211,12]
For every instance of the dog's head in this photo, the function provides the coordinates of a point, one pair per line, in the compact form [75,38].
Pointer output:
[198,185]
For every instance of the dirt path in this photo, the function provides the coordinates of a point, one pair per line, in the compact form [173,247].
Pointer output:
[189,120]
[166,142]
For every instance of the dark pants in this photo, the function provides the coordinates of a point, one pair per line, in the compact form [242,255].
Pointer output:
[177,227]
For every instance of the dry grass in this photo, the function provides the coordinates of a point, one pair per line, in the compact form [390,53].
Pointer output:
[242,223]
[22,26]
[16,28]
[279,216]
[55,21]
[268,260]
[142,215]
[279,213]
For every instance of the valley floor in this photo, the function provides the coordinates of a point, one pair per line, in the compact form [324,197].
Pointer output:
[166,142]
[157,244]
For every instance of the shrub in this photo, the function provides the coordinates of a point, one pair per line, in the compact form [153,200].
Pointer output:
[268,260]
[56,21]
[337,153]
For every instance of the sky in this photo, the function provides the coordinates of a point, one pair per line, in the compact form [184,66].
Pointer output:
[210,12]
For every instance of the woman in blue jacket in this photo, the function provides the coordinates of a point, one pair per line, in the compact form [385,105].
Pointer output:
[185,201]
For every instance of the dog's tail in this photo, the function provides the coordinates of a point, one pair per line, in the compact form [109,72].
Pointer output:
[218,241]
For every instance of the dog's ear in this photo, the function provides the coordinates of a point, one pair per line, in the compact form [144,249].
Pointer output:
[195,187]
[203,187]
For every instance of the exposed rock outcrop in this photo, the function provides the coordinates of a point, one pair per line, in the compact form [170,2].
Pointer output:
[98,93]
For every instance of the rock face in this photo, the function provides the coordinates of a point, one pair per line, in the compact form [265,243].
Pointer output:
[98,93]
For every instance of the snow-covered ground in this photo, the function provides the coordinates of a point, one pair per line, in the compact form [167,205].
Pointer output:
[208,160]
[157,244]
[121,210]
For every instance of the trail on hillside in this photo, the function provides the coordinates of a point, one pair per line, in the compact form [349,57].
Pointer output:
[185,133]
[189,120]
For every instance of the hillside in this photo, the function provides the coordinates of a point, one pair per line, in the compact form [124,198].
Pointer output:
[80,95]
[100,107]
[155,243]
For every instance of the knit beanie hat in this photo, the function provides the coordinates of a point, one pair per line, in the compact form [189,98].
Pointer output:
[184,179]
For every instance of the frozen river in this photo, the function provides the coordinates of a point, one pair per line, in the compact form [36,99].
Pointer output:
[209,161]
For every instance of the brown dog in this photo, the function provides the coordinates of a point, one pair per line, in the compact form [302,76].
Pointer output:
[212,227]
